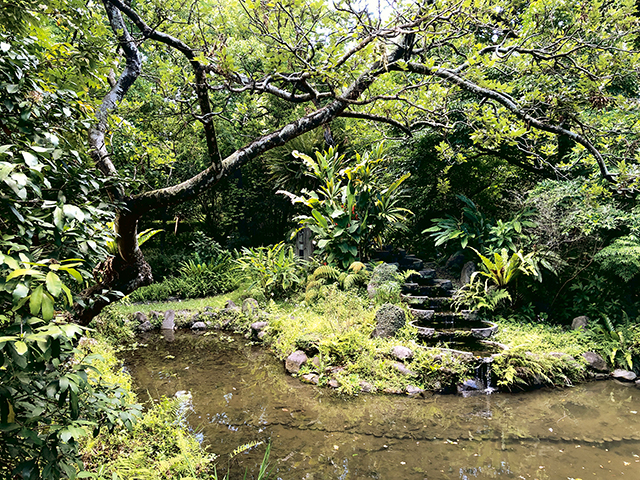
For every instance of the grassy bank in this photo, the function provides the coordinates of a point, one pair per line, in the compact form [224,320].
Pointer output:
[335,333]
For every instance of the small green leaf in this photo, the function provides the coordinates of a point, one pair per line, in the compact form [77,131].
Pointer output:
[21,347]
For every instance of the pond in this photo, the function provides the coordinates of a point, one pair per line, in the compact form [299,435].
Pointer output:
[240,393]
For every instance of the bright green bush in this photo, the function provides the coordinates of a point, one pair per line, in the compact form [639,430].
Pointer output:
[276,269]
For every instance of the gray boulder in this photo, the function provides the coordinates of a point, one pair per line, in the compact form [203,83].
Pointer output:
[250,307]
[401,353]
[580,323]
[413,390]
[366,387]
[311,378]
[295,361]
[199,326]
[389,319]
[140,318]
[467,270]
[400,367]
[169,321]
[595,362]
[623,375]
[383,273]
[257,330]
[145,326]
[231,307]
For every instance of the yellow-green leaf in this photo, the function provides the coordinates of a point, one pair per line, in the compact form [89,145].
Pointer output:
[21,347]
[54,285]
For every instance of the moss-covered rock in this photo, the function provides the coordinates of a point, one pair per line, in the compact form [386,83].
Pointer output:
[389,319]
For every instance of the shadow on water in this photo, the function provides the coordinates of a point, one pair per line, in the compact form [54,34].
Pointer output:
[240,393]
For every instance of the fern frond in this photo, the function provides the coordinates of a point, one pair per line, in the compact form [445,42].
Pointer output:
[356,267]
[326,271]
[243,448]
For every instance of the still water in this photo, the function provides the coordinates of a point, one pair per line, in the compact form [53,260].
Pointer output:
[240,393]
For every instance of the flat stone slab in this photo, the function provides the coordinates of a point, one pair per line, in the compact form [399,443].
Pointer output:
[421,314]
[624,375]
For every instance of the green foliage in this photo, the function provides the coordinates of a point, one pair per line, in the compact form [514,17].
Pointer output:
[518,368]
[621,258]
[619,344]
[48,402]
[275,269]
[355,208]
[201,281]
[157,447]
[142,237]
[505,268]
[475,229]
[480,296]
[356,275]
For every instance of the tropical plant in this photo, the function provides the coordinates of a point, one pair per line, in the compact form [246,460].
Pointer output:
[47,402]
[621,258]
[505,268]
[480,296]
[619,344]
[275,269]
[356,275]
[479,231]
[354,209]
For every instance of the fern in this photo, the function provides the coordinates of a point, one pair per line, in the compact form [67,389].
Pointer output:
[244,448]
[622,257]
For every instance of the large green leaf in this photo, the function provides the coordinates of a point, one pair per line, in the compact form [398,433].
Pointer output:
[54,284]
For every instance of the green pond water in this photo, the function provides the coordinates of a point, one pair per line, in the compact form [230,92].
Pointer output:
[240,393]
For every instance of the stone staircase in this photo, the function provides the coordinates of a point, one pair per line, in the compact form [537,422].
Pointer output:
[430,299]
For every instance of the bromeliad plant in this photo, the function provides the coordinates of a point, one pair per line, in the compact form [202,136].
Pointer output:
[505,268]
[355,208]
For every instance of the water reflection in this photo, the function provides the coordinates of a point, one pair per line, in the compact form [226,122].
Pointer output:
[240,393]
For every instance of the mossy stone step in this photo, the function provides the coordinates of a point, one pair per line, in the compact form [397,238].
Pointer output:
[438,304]
[439,288]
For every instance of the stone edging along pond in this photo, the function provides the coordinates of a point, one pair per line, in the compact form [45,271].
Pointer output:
[450,371]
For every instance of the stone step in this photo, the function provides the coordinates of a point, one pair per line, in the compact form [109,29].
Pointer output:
[423,277]
[411,263]
[440,318]
[438,304]
[438,288]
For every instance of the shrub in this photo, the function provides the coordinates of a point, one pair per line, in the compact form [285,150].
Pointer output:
[275,269]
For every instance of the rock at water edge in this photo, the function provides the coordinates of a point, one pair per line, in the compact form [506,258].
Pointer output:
[140,318]
[624,375]
[169,321]
[295,361]
[595,362]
